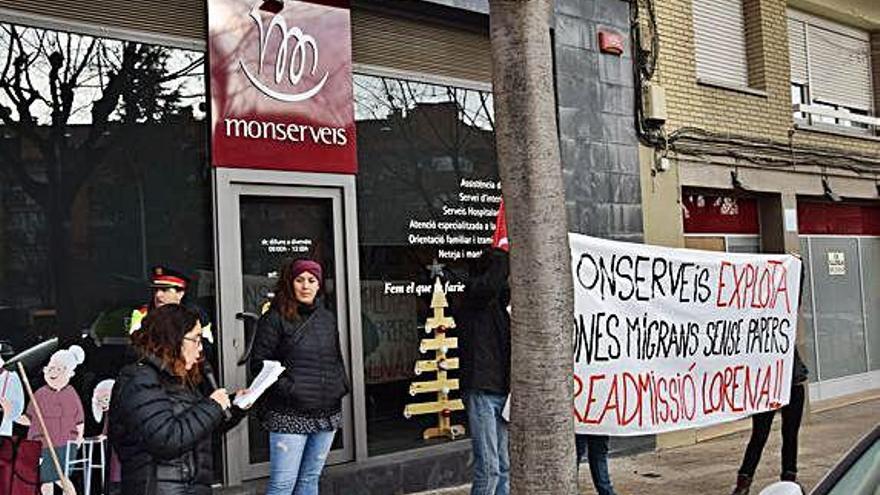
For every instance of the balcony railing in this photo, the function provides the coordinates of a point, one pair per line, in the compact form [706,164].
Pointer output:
[843,120]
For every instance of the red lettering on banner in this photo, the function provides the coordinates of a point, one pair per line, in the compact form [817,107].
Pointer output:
[782,287]
[754,286]
[628,378]
[611,402]
[645,387]
[642,399]
[584,417]
[721,284]
[764,394]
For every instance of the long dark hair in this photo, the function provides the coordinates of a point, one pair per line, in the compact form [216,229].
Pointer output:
[161,336]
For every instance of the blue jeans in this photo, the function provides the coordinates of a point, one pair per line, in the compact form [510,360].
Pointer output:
[489,441]
[596,448]
[296,461]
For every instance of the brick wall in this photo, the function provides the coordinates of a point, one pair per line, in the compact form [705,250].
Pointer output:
[875,69]
[764,115]
[754,44]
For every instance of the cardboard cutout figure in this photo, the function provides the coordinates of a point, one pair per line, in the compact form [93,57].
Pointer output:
[100,406]
[101,401]
[11,399]
[62,411]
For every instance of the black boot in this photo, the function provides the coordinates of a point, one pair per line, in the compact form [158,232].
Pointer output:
[743,483]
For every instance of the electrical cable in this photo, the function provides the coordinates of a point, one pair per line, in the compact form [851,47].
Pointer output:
[698,141]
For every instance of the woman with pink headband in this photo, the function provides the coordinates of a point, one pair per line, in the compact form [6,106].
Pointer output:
[303,410]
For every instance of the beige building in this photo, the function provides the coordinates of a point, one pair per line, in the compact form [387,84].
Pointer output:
[761,133]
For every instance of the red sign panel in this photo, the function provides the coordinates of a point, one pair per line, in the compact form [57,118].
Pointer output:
[281,87]
[707,212]
[818,218]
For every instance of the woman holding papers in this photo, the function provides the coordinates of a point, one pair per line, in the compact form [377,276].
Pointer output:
[303,409]
[160,421]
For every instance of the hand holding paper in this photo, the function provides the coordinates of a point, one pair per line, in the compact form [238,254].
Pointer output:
[267,376]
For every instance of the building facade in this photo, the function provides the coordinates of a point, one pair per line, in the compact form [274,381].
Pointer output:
[739,125]
[106,166]
[769,141]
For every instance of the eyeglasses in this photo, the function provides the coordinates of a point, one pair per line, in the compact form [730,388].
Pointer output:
[194,340]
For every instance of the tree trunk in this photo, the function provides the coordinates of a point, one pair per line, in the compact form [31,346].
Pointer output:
[541,431]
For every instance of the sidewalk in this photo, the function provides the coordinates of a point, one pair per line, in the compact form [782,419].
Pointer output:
[710,467]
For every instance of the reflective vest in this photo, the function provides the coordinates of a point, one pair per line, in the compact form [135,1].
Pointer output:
[138,315]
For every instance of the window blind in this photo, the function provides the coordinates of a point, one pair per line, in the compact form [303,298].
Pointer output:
[719,39]
[181,21]
[840,68]
[797,50]
[378,38]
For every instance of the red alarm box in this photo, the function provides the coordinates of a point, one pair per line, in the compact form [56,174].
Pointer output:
[610,42]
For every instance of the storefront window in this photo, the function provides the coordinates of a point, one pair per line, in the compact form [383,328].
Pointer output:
[428,193]
[103,174]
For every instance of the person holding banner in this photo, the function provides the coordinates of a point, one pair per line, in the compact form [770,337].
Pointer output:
[761,425]
[596,449]
[484,343]
[791,423]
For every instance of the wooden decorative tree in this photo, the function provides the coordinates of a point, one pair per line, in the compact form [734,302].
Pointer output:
[440,343]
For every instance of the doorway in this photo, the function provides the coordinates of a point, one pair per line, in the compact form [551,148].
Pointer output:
[265,219]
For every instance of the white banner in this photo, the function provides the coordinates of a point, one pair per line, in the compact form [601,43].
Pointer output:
[667,339]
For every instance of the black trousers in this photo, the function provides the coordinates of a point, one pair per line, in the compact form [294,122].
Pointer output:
[761,424]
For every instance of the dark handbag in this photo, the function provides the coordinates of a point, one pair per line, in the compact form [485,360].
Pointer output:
[19,466]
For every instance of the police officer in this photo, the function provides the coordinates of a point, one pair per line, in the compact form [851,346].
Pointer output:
[168,287]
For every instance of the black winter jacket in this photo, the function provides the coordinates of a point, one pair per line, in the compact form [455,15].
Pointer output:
[799,373]
[161,431]
[315,379]
[483,325]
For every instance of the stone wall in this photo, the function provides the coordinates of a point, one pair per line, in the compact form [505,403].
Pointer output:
[600,156]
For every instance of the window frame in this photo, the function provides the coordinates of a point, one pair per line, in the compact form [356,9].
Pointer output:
[835,124]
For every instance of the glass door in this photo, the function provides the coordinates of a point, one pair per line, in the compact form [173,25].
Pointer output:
[261,226]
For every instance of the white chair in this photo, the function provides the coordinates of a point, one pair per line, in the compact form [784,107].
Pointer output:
[86,463]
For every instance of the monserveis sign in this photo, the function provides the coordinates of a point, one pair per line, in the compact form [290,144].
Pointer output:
[281,87]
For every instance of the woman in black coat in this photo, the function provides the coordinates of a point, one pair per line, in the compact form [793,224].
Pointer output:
[303,409]
[160,420]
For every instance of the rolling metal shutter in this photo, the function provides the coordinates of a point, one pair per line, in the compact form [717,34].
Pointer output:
[720,43]
[797,51]
[379,39]
[840,68]
[180,22]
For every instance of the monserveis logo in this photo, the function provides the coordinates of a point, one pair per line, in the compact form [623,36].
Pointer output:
[292,52]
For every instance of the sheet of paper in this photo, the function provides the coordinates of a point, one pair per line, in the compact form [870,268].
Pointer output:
[266,378]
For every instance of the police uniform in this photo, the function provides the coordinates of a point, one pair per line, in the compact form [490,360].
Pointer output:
[162,277]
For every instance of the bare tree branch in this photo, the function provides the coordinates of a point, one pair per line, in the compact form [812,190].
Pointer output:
[19,174]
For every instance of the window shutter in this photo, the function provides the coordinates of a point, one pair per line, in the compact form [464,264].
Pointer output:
[719,38]
[181,22]
[840,68]
[797,51]
[397,42]
[378,38]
